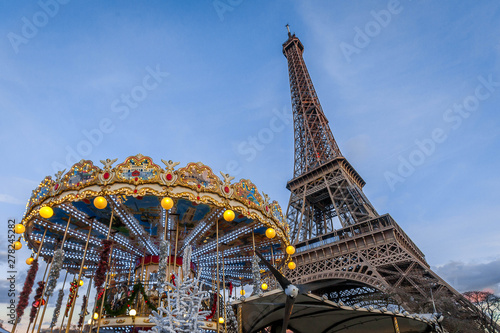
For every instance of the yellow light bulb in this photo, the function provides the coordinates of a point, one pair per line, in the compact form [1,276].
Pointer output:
[100,202]
[80,283]
[133,313]
[229,215]
[19,228]
[46,212]
[292,265]
[29,261]
[290,249]
[17,245]
[221,320]
[167,203]
[264,286]
[270,233]
[96,316]
[242,292]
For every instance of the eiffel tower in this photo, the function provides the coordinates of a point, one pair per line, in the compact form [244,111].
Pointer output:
[369,250]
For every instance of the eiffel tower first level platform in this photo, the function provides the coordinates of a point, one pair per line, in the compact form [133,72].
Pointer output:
[375,253]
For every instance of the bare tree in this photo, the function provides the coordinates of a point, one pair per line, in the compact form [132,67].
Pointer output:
[489,305]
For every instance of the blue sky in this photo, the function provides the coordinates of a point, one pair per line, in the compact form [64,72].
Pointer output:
[407,98]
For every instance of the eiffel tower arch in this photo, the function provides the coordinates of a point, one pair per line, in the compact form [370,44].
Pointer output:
[337,232]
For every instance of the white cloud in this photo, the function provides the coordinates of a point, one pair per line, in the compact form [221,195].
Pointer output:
[471,276]
[10,199]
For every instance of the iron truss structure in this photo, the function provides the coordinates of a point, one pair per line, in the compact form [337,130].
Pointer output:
[369,249]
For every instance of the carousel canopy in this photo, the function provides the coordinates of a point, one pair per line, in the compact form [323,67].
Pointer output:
[133,192]
[313,314]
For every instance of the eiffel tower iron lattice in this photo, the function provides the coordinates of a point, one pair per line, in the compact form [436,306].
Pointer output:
[369,249]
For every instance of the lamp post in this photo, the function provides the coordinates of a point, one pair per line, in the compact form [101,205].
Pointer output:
[132,314]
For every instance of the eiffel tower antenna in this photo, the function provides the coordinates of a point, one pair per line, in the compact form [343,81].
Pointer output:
[370,250]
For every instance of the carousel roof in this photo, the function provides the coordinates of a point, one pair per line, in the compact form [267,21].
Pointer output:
[133,190]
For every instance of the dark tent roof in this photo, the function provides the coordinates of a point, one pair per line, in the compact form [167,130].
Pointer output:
[313,314]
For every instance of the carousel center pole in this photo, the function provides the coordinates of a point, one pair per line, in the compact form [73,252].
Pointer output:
[47,300]
[78,280]
[36,258]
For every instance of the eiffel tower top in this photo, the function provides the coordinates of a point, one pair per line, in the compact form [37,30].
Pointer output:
[314,141]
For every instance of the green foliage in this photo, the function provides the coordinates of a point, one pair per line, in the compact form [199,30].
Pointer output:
[138,288]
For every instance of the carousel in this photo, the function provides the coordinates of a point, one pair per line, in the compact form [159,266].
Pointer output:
[169,249]
[147,239]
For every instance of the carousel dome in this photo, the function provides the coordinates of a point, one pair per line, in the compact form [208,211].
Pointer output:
[126,202]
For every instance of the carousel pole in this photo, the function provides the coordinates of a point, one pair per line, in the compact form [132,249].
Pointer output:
[272,261]
[253,241]
[47,300]
[168,262]
[224,291]
[141,275]
[36,258]
[43,279]
[129,272]
[97,293]
[79,276]
[107,275]
[217,262]
[64,283]
[62,322]
[40,248]
[108,279]
[176,240]
[166,225]
[86,305]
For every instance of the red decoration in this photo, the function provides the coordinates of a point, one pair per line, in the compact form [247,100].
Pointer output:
[38,296]
[226,189]
[28,286]
[102,267]
[169,176]
[214,308]
[71,299]
[56,187]
[172,279]
[106,175]
[198,198]
[136,179]
[135,191]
